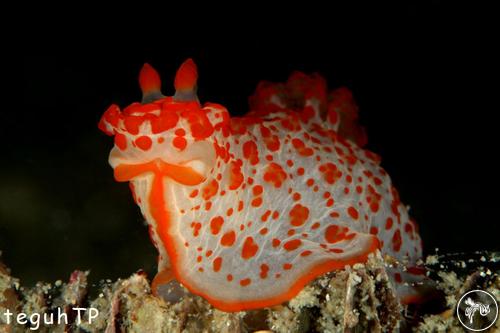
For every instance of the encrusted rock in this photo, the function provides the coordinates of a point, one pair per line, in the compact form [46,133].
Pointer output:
[356,299]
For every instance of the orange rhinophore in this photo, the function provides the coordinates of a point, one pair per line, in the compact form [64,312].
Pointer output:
[245,211]
[186,76]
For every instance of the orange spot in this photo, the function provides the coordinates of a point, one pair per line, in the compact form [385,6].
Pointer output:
[409,230]
[132,124]
[250,152]
[373,198]
[272,143]
[296,196]
[257,189]
[208,253]
[396,241]
[229,277]
[235,176]
[291,232]
[334,233]
[298,215]
[199,124]
[316,225]
[276,242]
[276,214]
[263,231]
[350,236]
[329,203]
[287,266]
[310,182]
[292,244]
[274,174]
[291,122]
[208,205]
[198,259]
[180,132]
[264,269]
[353,212]
[245,282]
[301,148]
[210,189]
[179,143]
[121,141]
[257,202]
[300,171]
[240,206]
[217,264]
[216,224]
[196,228]
[228,238]
[143,142]
[193,194]
[335,250]
[249,248]
[330,172]
[265,216]
[388,223]
[305,253]
[229,212]
[166,121]
[373,230]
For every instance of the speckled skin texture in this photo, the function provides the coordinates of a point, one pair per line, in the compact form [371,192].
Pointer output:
[245,211]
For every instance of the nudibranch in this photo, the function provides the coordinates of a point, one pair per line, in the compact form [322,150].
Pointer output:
[245,211]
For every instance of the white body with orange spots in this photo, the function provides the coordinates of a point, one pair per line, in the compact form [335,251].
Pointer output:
[246,211]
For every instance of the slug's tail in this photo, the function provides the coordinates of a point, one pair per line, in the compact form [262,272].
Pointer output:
[412,285]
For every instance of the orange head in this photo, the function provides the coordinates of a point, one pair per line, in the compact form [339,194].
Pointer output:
[175,129]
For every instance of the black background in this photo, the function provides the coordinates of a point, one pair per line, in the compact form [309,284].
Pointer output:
[409,67]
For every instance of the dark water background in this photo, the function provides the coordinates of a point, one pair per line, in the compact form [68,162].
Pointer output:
[407,66]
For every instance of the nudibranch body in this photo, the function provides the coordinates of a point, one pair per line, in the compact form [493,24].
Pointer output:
[245,211]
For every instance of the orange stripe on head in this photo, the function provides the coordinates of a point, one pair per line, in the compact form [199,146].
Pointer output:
[186,76]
